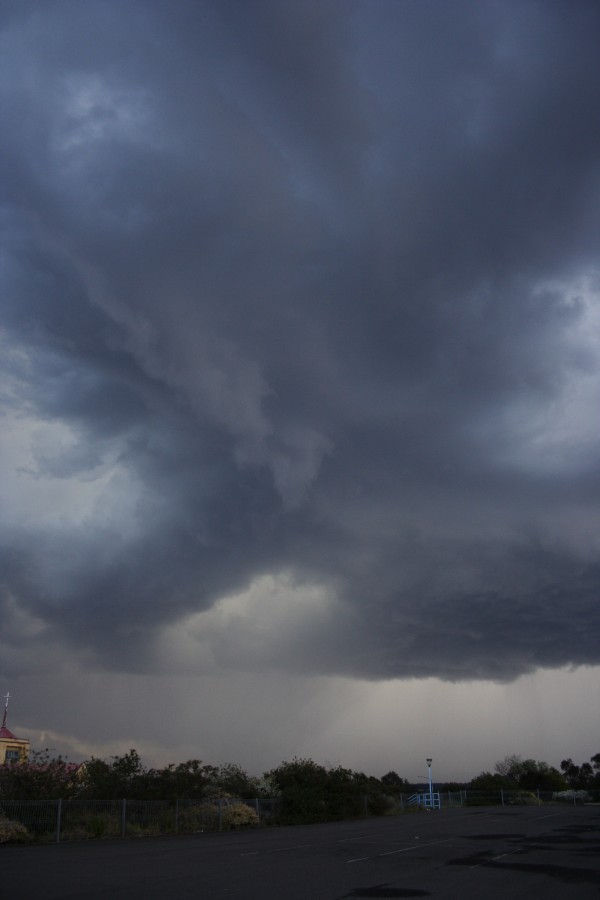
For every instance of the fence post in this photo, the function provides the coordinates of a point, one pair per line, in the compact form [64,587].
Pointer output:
[123,816]
[220,815]
[502,797]
[58,819]
[257,805]
[176,816]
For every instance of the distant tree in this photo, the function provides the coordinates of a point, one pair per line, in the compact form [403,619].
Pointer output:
[313,793]
[529,774]
[510,768]
[393,779]
[584,777]
[570,772]
[541,776]
[126,777]
[123,777]
[452,786]
[232,779]
[486,781]
[191,780]
[393,784]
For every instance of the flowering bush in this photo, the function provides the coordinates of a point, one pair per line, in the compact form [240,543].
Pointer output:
[12,831]
[239,815]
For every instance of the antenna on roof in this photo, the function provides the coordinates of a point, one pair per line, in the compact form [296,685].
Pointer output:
[6,697]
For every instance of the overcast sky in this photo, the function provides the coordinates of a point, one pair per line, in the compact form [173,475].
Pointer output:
[300,333]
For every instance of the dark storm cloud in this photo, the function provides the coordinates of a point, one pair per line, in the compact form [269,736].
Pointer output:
[304,288]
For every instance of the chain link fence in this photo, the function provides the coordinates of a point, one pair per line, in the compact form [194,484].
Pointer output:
[517,798]
[71,820]
[68,820]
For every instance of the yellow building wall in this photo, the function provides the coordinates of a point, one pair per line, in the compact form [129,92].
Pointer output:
[15,744]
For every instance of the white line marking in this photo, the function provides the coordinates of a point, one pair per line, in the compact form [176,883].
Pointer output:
[282,849]
[414,847]
[493,858]
[401,850]
[278,850]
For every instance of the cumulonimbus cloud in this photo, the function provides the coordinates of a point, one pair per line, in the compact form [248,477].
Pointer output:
[301,299]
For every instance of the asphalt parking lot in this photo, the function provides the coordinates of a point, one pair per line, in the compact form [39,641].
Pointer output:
[512,852]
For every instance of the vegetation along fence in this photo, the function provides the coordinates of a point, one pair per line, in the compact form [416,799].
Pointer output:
[68,820]
[60,820]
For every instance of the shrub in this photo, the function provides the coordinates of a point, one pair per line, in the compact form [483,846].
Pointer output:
[197,817]
[12,831]
[522,798]
[134,829]
[379,804]
[238,815]
[103,825]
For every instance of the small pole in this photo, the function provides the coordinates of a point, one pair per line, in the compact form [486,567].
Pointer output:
[176,816]
[123,816]
[431,802]
[58,819]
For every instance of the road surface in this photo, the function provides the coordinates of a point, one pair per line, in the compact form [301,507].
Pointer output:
[513,853]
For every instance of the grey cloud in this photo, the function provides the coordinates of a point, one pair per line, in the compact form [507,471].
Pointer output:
[305,289]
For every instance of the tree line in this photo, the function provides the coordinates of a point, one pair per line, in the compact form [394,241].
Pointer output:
[515,773]
[306,790]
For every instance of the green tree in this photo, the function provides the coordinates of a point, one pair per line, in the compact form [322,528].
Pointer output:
[232,779]
[124,777]
[584,777]
[189,780]
[510,769]
[541,776]
[571,773]
[486,781]
[529,774]
[313,793]
[393,780]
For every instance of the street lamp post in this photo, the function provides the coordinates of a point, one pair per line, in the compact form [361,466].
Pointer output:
[429,761]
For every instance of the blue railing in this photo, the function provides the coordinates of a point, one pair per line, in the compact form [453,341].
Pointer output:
[429,800]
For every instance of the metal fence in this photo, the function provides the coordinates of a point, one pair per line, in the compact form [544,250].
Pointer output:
[517,798]
[68,820]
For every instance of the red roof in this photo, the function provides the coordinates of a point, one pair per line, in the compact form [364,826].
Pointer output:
[8,735]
